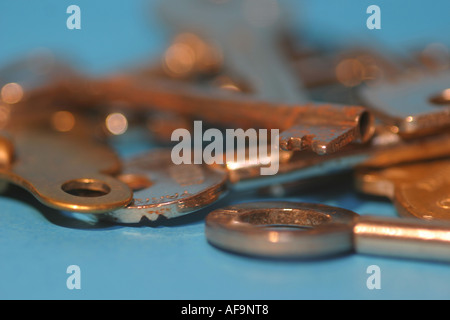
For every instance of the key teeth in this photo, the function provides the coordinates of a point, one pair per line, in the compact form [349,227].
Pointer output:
[291,144]
[320,147]
[298,144]
[304,143]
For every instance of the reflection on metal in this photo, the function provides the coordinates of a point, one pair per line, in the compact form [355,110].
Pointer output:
[11,93]
[116,123]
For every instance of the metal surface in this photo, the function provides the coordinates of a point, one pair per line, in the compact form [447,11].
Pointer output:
[251,229]
[174,261]
[265,229]
[64,167]
[324,128]
[387,181]
[163,189]
[297,166]
[403,238]
[428,198]
[415,105]
[402,151]
[413,176]
[249,49]
[159,193]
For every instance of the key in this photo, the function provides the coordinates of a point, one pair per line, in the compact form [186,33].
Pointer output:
[414,105]
[310,231]
[347,68]
[52,153]
[247,33]
[324,128]
[411,176]
[163,189]
[357,161]
[419,190]
[297,167]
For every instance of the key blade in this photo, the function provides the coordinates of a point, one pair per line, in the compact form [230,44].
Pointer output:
[333,126]
[403,162]
[327,128]
[321,140]
[163,189]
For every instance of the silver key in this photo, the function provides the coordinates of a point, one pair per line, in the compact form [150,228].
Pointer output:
[163,189]
[414,105]
[306,231]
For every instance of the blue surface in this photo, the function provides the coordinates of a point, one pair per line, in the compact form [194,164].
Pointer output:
[173,260]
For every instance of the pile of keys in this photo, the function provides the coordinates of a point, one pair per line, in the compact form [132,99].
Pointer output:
[385,117]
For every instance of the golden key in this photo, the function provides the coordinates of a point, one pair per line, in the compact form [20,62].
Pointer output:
[324,128]
[309,231]
[420,190]
[412,174]
[53,154]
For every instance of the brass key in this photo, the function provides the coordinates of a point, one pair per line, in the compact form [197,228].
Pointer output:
[52,153]
[412,175]
[324,128]
[419,190]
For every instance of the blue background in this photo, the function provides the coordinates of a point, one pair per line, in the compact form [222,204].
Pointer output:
[173,260]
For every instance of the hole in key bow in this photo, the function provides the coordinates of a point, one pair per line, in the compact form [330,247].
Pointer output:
[86,188]
[285,218]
